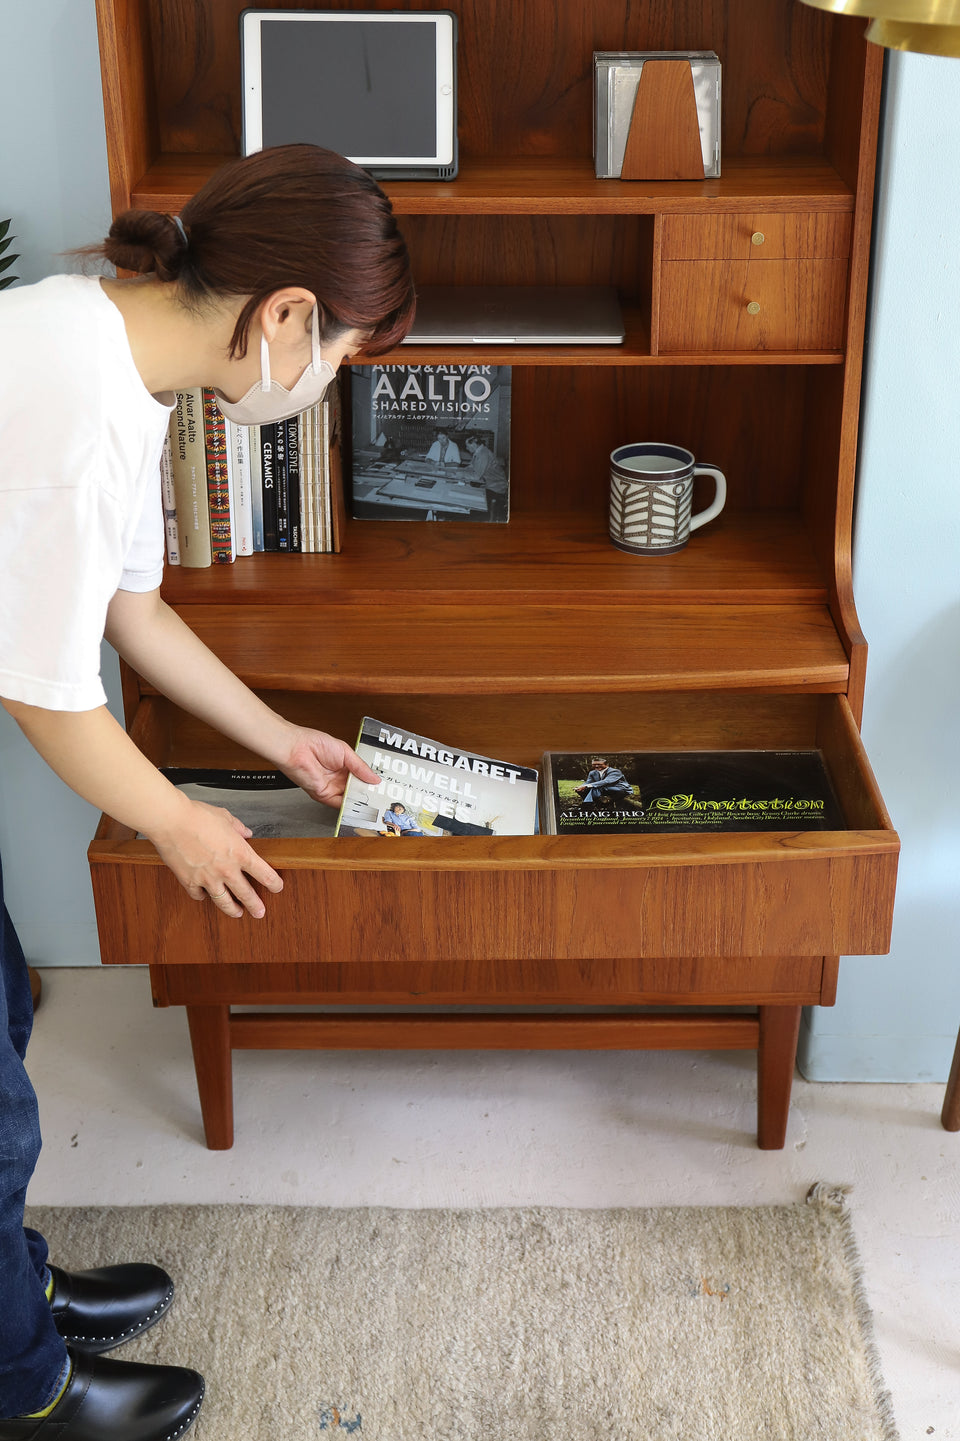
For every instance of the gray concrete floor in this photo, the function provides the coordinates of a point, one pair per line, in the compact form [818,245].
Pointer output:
[121,1126]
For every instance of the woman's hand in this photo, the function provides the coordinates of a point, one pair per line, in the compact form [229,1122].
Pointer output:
[320,765]
[206,848]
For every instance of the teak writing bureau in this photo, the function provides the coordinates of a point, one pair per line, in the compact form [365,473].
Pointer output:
[745,298]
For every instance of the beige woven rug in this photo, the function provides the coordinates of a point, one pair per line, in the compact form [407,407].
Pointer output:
[695,1323]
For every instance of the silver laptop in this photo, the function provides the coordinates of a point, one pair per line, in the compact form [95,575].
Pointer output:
[517,315]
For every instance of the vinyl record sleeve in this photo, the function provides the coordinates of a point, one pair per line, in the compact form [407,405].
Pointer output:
[676,791]
[267,801]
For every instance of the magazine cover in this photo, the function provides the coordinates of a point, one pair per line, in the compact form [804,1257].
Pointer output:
[266,801]
[687,791]
[430,789]
[430,442]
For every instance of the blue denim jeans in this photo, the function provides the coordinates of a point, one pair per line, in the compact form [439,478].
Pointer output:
[33,1358]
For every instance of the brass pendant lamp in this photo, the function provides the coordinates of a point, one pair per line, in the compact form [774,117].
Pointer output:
[929,27]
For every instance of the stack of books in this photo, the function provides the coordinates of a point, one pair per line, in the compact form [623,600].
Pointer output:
[233,490]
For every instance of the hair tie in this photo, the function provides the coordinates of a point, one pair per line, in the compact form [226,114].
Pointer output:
[183,234]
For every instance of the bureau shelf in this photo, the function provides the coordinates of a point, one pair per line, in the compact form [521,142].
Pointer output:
[551,185]
[552,558]
[634,351]
[536,635]
[471,649]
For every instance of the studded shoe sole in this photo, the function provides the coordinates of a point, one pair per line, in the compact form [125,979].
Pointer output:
[96,1311]
[108,1400]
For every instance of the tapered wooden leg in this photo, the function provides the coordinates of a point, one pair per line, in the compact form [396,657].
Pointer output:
[776,1059]
[950,1115]
[210,1039]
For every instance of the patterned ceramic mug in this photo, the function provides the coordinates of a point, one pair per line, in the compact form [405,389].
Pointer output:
[651,497]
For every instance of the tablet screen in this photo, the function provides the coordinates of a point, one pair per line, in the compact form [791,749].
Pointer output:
[376,89]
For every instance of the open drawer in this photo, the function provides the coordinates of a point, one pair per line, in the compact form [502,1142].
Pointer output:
[566,898]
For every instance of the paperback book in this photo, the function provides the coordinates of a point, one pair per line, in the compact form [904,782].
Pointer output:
[232,490]
[430,789]
[430,442]
[189,473]
[668,791]
[266,801]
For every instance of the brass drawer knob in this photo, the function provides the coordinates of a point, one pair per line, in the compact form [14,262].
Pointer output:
[757,238]
[753,308]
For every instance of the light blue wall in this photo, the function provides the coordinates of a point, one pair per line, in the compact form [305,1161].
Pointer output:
[896,1017]
[53,183]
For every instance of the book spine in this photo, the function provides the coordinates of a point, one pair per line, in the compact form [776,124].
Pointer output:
[231,493]
[316,461]
[190,479]
[171,534]
[293,483]
[268,458]
[238,442]
[318,477]
[306,480]
[218,483]
[255,458]
[281,477]
[322,510]
[336,499]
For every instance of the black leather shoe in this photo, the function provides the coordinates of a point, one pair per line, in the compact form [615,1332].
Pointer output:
[109,1400]
[94,1311]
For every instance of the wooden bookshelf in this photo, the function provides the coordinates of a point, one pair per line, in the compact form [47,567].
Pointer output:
[538,634]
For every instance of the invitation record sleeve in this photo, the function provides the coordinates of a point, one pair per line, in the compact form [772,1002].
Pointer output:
[670,791]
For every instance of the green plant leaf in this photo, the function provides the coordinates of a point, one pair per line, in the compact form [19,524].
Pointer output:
[6,240]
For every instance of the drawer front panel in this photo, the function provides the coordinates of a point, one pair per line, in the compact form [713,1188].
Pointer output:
[744,305]
[514,900]
[786,236]
[790,897]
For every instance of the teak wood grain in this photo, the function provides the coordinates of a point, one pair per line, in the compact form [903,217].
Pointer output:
[663,142]
[537,634]
[551,186]
[467,649]
[756,235]
[601,981]
[777,895]
[709,305]
[752,558]
[524,77]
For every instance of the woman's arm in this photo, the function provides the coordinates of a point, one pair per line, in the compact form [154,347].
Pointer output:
[165,651]
[203,845]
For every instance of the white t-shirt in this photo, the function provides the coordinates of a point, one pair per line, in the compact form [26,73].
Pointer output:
[80,506]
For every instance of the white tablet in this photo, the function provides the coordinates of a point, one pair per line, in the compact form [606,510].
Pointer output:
[377,86]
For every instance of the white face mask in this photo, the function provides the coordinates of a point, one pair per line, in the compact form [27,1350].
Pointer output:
[268,401]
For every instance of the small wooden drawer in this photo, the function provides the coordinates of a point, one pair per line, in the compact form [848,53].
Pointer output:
[753,282]
[790,235]
[752,305]
[574,900]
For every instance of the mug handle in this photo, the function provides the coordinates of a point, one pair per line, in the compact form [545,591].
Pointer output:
[714,509]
